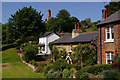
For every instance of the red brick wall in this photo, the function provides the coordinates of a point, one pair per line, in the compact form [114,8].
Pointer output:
[108,46]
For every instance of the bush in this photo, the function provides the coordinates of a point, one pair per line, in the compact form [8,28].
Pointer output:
[114,74]
[34,42]
[33,62]
[8,46]
[67,73]
[84,76]
[77,67]
[30,53]
[61,65]
[47,68]
[93,69]
[40,67]
[54,74]
[116,66]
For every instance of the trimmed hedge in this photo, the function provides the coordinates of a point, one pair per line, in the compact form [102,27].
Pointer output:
[9,46]
[93,69]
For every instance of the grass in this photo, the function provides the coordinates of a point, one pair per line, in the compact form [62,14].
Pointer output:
[14,68]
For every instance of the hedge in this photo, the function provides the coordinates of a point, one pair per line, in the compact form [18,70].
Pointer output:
[93,69]
[9,46]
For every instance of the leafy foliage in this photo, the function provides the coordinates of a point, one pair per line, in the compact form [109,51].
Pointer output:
[114,74]
[67,73]
[30,53]
[93,69]
[54,53]
[9,34]
[27,21]
[62,22]
[61,65]
[84,76]
[84,54]
[54,74]
[112,7]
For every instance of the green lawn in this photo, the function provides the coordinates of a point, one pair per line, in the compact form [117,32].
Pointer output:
[14,68]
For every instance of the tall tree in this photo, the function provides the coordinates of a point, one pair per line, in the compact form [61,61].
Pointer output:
[51,25]
[9,33]
[28,22]
[112,7]
[63,20]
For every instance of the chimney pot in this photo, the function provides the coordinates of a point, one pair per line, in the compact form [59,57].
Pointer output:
[75,26]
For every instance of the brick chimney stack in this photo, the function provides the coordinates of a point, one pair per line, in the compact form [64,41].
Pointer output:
[104,13]
[76,32]
[78,25]
[48,15]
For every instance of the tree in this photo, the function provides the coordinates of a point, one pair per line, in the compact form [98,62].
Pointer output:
[28,22]
[51,25]
[112,7]
[54,53]
[9,33]
[74,19]
[63,21]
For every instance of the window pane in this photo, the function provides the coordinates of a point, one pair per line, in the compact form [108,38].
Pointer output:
[108,35]
[112,35]
[112,55]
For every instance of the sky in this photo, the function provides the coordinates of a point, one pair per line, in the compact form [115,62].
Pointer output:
[81,10]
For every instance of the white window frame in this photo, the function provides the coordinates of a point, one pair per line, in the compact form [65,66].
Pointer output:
[110,58]
[70,48]
[110,33]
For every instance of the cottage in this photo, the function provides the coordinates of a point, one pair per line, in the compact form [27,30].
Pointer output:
[70,40]
[44,42]
[108,38]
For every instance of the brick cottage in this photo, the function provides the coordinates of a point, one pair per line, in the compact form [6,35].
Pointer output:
[108,38]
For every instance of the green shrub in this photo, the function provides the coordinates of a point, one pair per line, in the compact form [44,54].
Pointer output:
[61,65]
[40,67]
[30,53]
[67,73]
[93,69]
[114,74]
[54,74]
[84,76]
[8,46]
[34,42]
[47,68]
[77,67]
[33,62]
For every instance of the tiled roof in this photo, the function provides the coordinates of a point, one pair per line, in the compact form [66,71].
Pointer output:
[114,17]
[83,37]
[64,39]
[48,33]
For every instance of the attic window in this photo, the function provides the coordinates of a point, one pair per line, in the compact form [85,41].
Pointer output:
[109,34]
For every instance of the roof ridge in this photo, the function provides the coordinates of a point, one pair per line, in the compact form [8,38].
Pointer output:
[87,32]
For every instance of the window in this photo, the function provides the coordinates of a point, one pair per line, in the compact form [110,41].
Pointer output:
[109,34]
[109,57]
[70,48]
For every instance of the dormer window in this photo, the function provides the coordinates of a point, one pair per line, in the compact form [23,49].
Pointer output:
[109,34]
